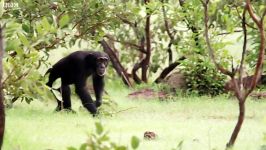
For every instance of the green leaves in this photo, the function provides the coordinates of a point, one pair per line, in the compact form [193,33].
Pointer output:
[83,147]
[26,28]
[64,20]
[101,141]
[12,44]
[23,39]
[46,25]
[71,148]
[134,142]
[99,128]
[152,7]
[202,77]
[263,147]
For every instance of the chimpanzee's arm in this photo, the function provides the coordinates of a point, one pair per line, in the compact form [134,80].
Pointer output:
[98,85]
[85,97]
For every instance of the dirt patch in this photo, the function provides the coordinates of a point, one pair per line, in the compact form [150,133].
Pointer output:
[258,95]
[147,94]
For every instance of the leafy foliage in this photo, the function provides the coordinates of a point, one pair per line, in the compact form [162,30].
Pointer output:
[263,147]
[34,28]
[21,79]
[101,141]
[202,77]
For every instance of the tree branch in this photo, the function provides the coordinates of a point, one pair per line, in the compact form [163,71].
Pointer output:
[211,51]
[239,16]
[116,63]
[225,33]
[166,23]
[168,69]
[169,33]
[135,46]
[241,86]
[260,25]
[124,20]
[252,14]
[2,107]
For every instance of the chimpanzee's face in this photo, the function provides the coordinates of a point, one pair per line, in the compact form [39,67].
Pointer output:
[101,65]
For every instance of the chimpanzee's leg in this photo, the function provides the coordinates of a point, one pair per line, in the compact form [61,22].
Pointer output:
[66,101]
[65,90]
[52,77]
[59,106]
[85,97]
[98,85]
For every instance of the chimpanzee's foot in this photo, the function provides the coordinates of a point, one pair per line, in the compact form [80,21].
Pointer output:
[98,103]
[91,108]
[69,110]
[58,108]
[96,114]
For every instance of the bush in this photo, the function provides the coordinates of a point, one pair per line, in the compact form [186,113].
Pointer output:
[202,77]
[101,141]
[22,81]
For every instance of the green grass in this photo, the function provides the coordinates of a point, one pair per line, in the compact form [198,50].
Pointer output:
[202,123]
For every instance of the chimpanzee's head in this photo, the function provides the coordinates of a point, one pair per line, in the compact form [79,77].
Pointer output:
[101,64]
[97,61]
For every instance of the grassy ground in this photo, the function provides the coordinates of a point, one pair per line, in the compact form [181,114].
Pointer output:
[202,123]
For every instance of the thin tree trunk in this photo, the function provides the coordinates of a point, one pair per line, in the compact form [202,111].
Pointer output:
[146,62]
[116,63]
[138,65]
[169,33]
[238,126]
[2,108]
[134,72]
[170,53]
[241,91]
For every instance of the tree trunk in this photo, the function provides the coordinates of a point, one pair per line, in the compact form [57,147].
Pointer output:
[146,62]
[2,108]
[138,65]
[134,71]
[116,63]
[170,54]
[240,120]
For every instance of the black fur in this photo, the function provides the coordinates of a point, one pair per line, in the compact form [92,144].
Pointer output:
[75,69]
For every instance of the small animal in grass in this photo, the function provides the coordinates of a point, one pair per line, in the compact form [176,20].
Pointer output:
[75,69]
[149,135]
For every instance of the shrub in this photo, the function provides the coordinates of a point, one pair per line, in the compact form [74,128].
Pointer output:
[202,77]
[101,141]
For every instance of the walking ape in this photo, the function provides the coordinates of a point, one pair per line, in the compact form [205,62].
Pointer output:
[75,69]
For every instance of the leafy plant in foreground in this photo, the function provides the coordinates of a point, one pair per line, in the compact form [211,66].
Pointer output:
[263,147]
[101,141]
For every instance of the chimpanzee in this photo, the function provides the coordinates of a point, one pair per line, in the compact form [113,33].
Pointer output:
[75,69]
